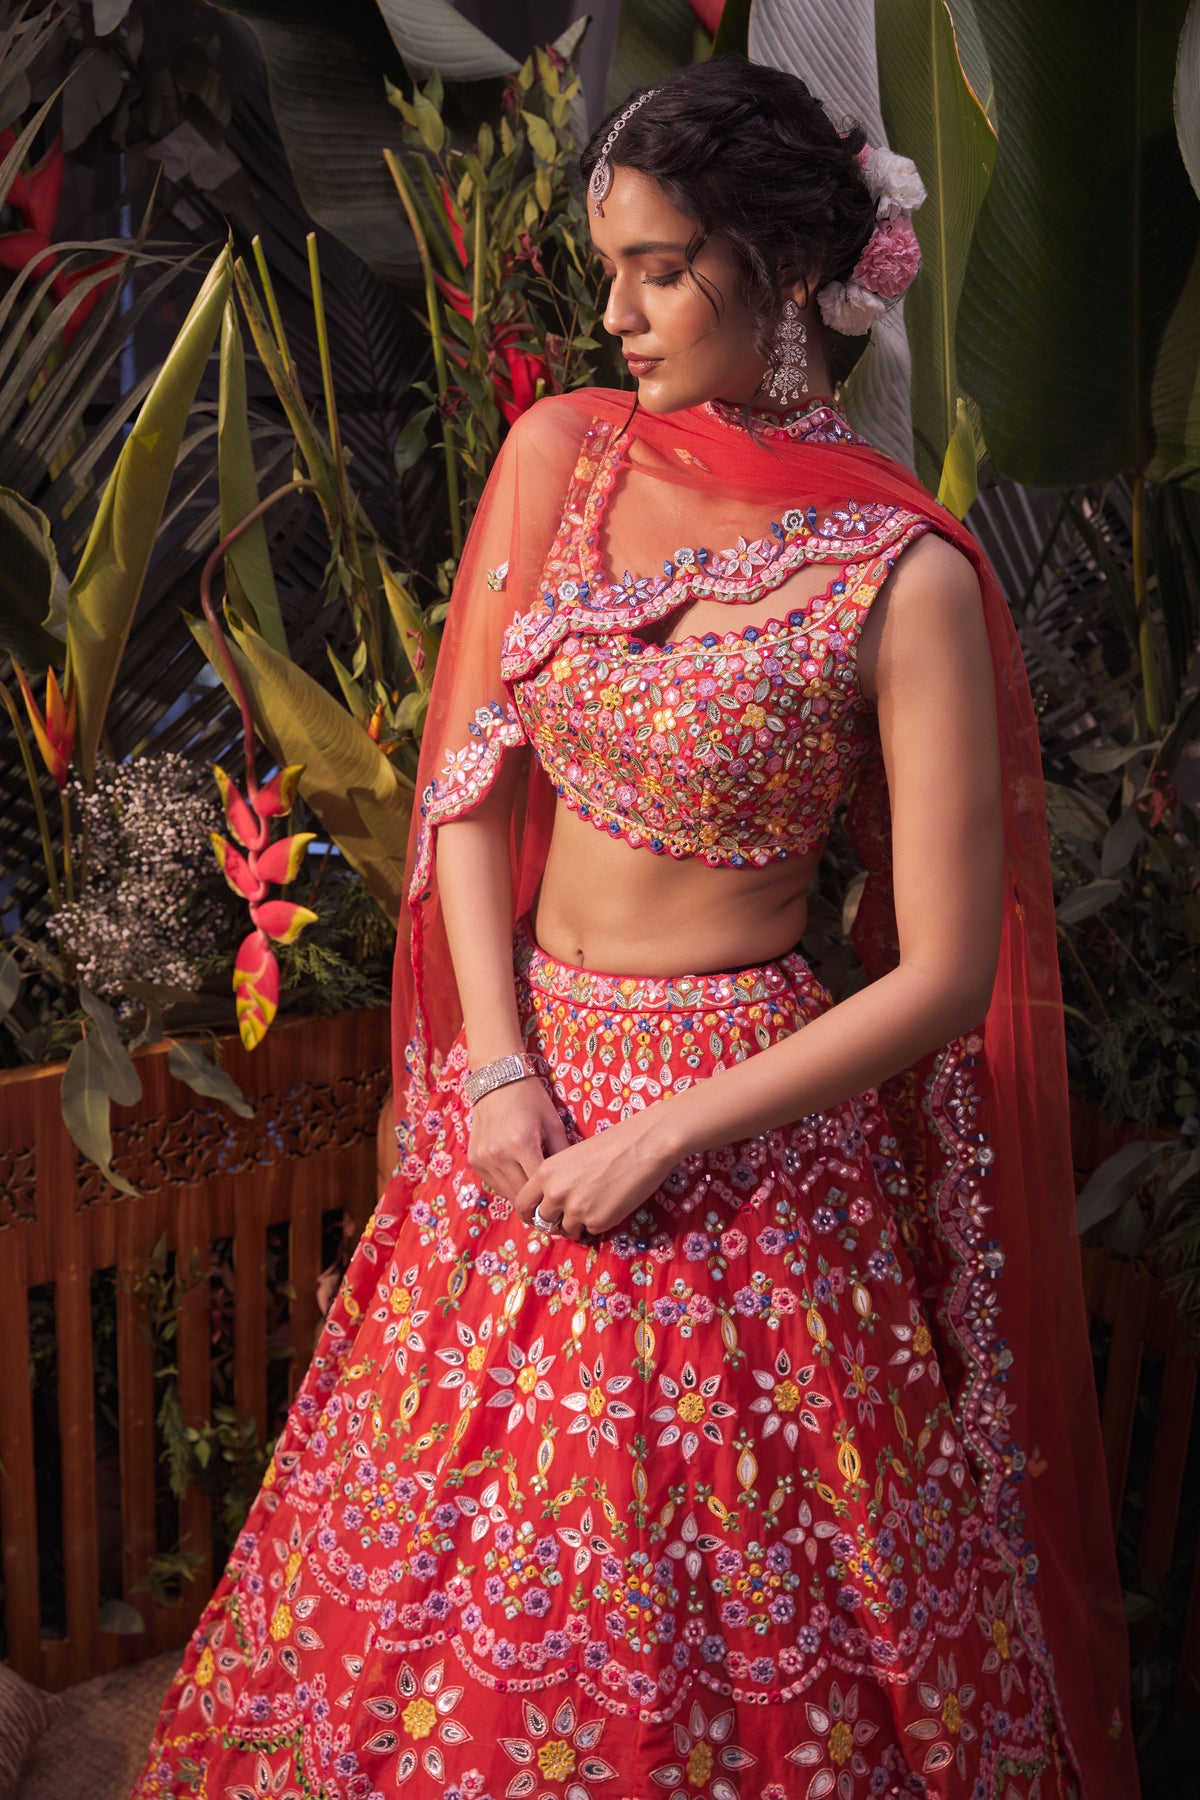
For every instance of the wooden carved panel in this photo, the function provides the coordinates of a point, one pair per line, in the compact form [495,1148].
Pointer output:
[181,1149]
[18,1187]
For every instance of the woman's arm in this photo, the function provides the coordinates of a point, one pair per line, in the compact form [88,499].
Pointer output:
[515,1126]
[925,661]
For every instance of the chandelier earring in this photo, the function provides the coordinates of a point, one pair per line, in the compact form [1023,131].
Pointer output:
[789,356]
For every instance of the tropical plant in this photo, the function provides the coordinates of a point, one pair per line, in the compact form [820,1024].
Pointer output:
[510,307]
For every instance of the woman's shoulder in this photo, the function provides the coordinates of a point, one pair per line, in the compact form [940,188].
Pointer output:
[568,415]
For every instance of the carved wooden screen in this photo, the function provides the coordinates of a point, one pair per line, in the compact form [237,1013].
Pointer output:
[306,1157]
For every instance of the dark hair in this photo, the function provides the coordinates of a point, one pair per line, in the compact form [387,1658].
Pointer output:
[752,156]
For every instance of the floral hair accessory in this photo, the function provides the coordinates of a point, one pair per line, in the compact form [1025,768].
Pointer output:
[891,256]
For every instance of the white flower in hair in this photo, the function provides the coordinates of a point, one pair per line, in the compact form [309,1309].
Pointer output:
[849,307]
[893,183]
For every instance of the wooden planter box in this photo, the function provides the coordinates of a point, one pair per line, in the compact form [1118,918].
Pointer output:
[316,1086]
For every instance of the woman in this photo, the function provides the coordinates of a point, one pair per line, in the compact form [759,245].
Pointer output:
[677,1429]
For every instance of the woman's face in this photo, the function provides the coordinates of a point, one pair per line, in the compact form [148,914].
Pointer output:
[679,350]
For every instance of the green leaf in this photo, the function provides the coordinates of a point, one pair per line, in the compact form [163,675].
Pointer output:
[1121,842]
[353,695]
[28,567]
[85,1111]
[121,1078]
[10,983]
[429,123]
[540,136]
[326,66]
[361,801]
[1187,94]
[1075,814]
[959,485]
[190,1063]
[1085,901]
[104,593]
[931,114]
[1102,762]
[1084,242]
[654,38]
[248,571]
[430,34]
[413,441]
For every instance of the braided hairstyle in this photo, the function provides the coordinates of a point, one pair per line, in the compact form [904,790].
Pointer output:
[749,153]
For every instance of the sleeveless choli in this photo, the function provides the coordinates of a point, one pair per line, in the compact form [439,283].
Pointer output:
[737,747]
[685,1513]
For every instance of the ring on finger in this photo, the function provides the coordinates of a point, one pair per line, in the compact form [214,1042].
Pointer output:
[546,1224]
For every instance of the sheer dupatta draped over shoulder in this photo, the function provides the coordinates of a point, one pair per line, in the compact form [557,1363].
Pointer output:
[595,519]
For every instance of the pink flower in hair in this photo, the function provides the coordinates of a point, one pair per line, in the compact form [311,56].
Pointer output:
[890,260]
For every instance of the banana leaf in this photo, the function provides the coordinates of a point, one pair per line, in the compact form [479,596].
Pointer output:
[103,596]
[359,798]
[248,570]
[932,115]
[1187,94]
[832,49]
[327,68]
[1084,245]
[28,567]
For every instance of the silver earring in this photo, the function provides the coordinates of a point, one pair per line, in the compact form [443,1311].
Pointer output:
[789,379]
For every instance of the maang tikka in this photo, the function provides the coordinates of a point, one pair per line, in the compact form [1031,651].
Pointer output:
[789,378]
[602,176]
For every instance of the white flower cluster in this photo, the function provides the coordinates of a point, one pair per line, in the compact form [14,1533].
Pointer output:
[895,185]
[146,824]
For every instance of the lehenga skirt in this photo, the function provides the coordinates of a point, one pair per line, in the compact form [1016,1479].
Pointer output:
[680,1514]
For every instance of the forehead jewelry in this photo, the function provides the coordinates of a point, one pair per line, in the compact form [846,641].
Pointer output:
[602,175]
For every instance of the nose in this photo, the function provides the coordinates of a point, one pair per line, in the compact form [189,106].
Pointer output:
[623,314]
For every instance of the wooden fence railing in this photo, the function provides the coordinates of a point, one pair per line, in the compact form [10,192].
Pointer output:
[206,1175]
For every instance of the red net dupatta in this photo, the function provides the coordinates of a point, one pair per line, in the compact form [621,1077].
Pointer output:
[981,1125]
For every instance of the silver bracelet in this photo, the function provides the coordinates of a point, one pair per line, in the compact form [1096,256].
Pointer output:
[478,1082]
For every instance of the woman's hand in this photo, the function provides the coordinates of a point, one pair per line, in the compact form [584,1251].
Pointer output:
[589,1187]
[513,1129]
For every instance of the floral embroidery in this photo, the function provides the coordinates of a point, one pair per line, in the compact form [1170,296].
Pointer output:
[543,1512]
[704,1753]
[735,748]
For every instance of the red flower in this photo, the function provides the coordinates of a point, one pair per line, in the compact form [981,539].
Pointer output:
[516,387]
[255,971]
[455,229]
[55,733]
[38,193]
[37,196]
[709,13]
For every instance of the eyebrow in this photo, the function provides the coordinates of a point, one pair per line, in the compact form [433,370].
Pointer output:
[647,247]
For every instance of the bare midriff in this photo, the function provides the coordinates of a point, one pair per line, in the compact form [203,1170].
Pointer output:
[624,911]
[616,909]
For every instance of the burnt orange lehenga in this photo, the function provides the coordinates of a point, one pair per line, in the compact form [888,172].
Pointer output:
[790,1486]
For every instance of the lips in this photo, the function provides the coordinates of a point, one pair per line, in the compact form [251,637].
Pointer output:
[642,365]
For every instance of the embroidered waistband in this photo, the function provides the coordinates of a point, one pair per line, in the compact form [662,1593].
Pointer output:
[788,976]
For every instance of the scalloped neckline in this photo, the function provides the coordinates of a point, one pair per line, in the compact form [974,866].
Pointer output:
[795,622]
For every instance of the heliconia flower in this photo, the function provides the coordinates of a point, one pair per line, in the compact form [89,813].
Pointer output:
[282,919]
[455,229]
[37,193]
[236,869]
[241,821]
[55,732]
[458,297]
[283,860]
[278,795]
[256,972]
[255,988]
[524,370]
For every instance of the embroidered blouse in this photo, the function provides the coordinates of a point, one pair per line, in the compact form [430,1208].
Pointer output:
[735,747]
